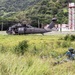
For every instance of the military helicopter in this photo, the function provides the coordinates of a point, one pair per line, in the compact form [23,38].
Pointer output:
[28,29]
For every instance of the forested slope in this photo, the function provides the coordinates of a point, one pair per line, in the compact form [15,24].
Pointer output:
[44,10]
[33,11]
[16,5]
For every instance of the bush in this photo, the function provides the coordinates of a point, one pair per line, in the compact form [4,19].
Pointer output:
[21,48]
[69,37]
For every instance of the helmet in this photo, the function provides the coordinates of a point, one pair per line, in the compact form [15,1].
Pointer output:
[70,49]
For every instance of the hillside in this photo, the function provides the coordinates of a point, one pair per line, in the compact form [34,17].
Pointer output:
[16,5]
[13,6]
[45,10]
[33,11]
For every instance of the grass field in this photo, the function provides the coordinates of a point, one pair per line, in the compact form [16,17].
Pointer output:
[34,55]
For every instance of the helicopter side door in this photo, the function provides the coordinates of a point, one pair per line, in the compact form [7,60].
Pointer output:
[21,30]
[29,30]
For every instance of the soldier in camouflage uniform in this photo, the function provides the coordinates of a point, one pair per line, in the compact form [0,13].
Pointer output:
[71,54]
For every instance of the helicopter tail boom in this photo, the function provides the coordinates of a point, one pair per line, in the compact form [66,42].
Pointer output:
[52,24]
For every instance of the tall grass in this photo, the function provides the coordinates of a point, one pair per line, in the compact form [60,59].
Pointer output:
[34,55]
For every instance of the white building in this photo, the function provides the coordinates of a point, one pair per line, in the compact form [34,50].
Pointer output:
[63,27]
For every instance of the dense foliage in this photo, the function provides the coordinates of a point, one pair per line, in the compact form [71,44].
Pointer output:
[16,5]
[33,11]
[69,37]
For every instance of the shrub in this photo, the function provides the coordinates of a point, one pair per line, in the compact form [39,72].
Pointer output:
[21,48]
[63,44]
[69,37]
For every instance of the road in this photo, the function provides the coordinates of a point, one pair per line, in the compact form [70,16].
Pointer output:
[48,33]
[59,33]
[3,33]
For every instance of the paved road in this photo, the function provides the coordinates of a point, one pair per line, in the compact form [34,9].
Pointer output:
[49,33]
[59,33]
[3,33]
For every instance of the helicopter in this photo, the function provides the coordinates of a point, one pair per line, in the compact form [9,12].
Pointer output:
[28,29]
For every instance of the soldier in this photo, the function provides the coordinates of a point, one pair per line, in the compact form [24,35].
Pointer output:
[71,54]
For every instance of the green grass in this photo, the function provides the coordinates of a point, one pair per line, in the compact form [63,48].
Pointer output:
[38,59]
